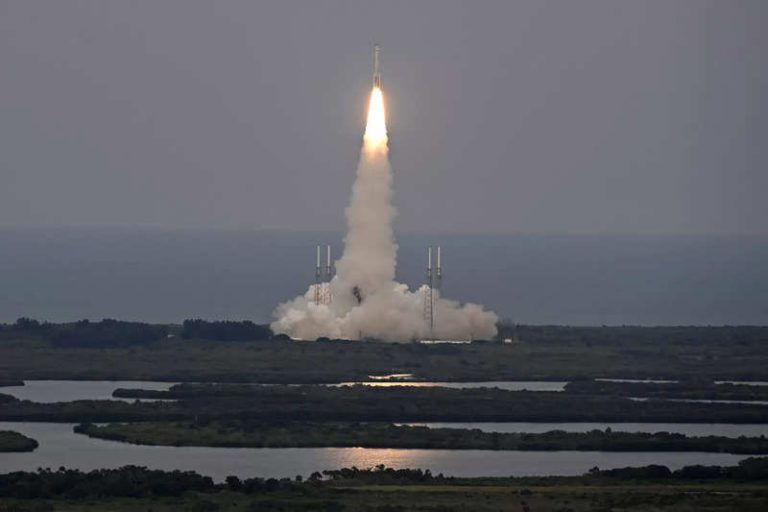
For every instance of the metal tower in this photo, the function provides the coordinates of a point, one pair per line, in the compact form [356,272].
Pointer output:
[317,278]
[327,295]
[429,299]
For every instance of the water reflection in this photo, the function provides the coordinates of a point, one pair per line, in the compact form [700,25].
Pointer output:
[59,446]
[507,385]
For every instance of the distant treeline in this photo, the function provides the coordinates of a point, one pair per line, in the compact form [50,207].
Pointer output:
[127,482]
[631,334]
[117,333]
[135,482]
[750,469]
[109,332]
[84,333]
[226,331]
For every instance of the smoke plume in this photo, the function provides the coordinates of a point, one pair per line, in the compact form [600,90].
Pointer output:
[363,300]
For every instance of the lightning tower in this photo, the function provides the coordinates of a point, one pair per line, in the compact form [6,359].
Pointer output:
[317,277]
[429,298]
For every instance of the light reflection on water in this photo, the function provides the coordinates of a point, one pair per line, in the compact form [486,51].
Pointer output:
[60,446]
[507,385]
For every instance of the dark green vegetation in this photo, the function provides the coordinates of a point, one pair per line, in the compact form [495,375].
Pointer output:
[652,488]
[382,404]
[678,390]
[14,442]
[106,333]
[115,333]
[402,404]
[132,351]
[373,435]
[225,331]
[109,333]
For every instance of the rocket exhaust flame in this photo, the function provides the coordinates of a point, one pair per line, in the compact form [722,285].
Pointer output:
[375,137]
[367,301]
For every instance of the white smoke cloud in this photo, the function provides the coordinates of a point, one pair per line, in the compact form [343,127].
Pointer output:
[367,302]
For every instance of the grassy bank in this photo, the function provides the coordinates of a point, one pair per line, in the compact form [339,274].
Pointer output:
[371,435]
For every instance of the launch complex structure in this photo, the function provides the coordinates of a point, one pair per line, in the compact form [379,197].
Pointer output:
[431,290]
[358,296]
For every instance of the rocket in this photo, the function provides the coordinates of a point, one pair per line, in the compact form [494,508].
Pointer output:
[376,74]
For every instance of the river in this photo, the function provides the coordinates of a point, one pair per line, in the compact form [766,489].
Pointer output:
[60,446]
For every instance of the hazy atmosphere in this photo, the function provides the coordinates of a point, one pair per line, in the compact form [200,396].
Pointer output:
[390,256]
[505,117]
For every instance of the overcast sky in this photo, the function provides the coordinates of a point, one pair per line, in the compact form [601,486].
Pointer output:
[505,117]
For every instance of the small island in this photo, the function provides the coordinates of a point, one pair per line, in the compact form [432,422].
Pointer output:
[14,442]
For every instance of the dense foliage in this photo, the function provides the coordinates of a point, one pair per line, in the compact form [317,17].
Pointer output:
[750,469]
[399,404]
[14,442]
[106,333]
[84,333]
[236,433]
[225,331]
[539,353]
[5,399]
[363,403]
[129,481]
[134,481]
[696,390]
[664,335]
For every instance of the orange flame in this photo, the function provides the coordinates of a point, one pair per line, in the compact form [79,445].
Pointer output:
[376,128]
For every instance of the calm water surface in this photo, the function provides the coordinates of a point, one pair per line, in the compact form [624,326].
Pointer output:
[49,391]
[60,446]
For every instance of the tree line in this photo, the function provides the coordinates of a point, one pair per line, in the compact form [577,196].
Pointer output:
[118,333]
[139,482]
[254,434]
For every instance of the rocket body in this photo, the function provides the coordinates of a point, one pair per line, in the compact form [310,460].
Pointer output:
[376,74]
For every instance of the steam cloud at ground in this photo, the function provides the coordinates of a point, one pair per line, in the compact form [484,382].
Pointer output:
[366,301]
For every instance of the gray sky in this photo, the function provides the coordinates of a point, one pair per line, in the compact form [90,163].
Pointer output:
[506,117]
